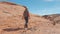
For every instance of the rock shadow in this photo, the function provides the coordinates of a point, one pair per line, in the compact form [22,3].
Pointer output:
[13,29]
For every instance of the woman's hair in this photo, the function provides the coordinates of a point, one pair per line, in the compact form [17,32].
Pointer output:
[26,12]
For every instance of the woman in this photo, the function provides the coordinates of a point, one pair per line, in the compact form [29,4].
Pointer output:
[26,17]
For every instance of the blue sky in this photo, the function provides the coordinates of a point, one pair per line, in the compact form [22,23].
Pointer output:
[40,7]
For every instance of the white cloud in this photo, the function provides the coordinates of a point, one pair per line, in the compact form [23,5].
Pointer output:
[48,0]
[46,11]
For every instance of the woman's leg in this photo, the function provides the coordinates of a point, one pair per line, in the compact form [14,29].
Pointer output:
[26,22]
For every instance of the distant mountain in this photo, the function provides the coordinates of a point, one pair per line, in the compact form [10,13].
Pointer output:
[53,17]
